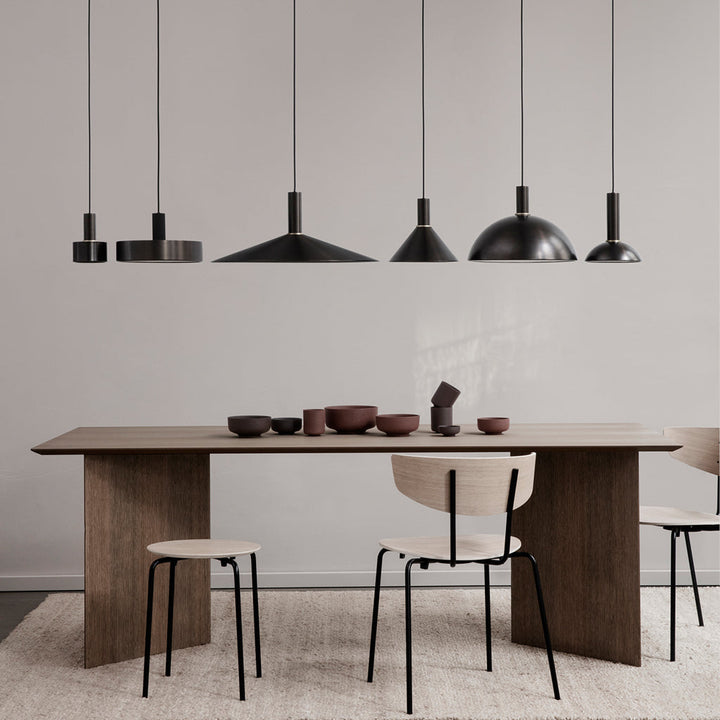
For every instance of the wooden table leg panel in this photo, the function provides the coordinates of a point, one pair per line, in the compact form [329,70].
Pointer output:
[581,524]
[130,502]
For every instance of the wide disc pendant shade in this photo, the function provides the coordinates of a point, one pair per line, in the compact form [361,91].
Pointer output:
[423,244]
[295,246]
[522,238]
[159,249]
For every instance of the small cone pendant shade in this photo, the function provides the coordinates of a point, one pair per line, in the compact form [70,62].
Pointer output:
[295,246]
[522,238]
[613,250]
[423,244]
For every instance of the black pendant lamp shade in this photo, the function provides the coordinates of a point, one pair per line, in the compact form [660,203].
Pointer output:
[89,250]
[423,244]
[522,237]
[612,250]
[159,249]
[295,246]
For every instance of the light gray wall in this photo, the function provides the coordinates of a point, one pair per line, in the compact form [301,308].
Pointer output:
[130,344]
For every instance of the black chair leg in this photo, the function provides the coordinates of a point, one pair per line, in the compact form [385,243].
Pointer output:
[171,605]
[256,615]
[694,578]
[673,537]
[376,607]
[408,635]
[238,623]
[543,618]
[488,635]
[148,623]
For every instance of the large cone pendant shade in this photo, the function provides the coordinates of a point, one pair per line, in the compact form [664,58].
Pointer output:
[295,246]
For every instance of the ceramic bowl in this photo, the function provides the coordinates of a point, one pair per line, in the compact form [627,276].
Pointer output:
[398,423]
[448,430]
[493,425]
[249,425]
[350,418]
[286,425]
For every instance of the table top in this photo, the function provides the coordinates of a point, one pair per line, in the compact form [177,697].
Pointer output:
[218,439]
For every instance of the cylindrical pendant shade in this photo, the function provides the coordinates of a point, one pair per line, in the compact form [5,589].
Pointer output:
[295,246]
[159,249]
[89,250]
[522,238]
[423,244]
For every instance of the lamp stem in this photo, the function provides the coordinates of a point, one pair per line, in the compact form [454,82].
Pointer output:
[294,213]
[423,207]
[522,200]
[613,217]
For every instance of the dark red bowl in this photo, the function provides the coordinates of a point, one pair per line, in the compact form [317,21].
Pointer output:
[493,425]
[398,423]
[249,425]
[350,418]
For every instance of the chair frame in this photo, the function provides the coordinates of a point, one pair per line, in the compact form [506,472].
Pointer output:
[424,565]
[224,561]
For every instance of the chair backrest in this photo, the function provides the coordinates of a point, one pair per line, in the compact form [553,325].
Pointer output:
[700,447]
[482,484]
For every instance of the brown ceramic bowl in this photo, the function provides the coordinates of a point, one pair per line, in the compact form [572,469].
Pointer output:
[350,418]
[249,425]
[397,424]
[448,430]
[286,425]
[493,425]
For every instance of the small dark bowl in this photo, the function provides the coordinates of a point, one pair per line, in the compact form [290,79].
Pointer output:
[448,430]
[493,425]
[286,425]
[397,424]
[350,418]
[445,395]
[249,425]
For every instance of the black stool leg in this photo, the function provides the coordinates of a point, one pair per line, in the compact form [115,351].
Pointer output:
[238,624]
[694,578]
[673,536]
[256,615]
[376,606]
[171,605]
[148,623]
[488,636]
[408,635]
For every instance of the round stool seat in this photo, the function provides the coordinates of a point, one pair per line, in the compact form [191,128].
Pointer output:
[203,549]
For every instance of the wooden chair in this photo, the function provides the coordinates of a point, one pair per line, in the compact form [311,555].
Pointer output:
[223,550]
[700,449]
[479,486]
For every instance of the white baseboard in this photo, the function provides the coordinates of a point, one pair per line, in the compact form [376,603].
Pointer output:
[339,579]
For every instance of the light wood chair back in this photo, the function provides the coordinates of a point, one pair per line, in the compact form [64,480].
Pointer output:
[482,483]
[700,447]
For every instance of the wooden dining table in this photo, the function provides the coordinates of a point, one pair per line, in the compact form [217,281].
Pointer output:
[143,484]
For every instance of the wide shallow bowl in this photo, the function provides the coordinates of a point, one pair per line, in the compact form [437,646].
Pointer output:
[350,418]
[249,425]
[493,425]
[448,430]
[398,423]
[286,426]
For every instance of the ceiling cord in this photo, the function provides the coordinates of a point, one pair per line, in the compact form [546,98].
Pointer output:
[158,105]
[522,96]
[88,113]
[293,105]
[612,85]
[422,26]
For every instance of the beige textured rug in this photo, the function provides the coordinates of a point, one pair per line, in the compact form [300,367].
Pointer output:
[315,647]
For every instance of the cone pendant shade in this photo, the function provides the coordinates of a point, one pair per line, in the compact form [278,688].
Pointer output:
[522,238]
[423,244]
[295,246]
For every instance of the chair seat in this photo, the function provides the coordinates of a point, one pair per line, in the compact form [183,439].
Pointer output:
[203,549]
[468,547]
[654,515]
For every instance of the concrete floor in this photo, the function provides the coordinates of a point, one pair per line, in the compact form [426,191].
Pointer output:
[14,606]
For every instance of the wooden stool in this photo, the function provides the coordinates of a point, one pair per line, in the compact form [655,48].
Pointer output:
[223,550]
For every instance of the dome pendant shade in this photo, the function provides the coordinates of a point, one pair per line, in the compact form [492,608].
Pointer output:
[89,250]
[423,244]
[522,238]
[613,251]
[159,249]
[295,246]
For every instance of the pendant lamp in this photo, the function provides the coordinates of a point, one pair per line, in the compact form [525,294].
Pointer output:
[423,244]
[295,246]
[159,249]
[89,250]
[522,237]
[612,250]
